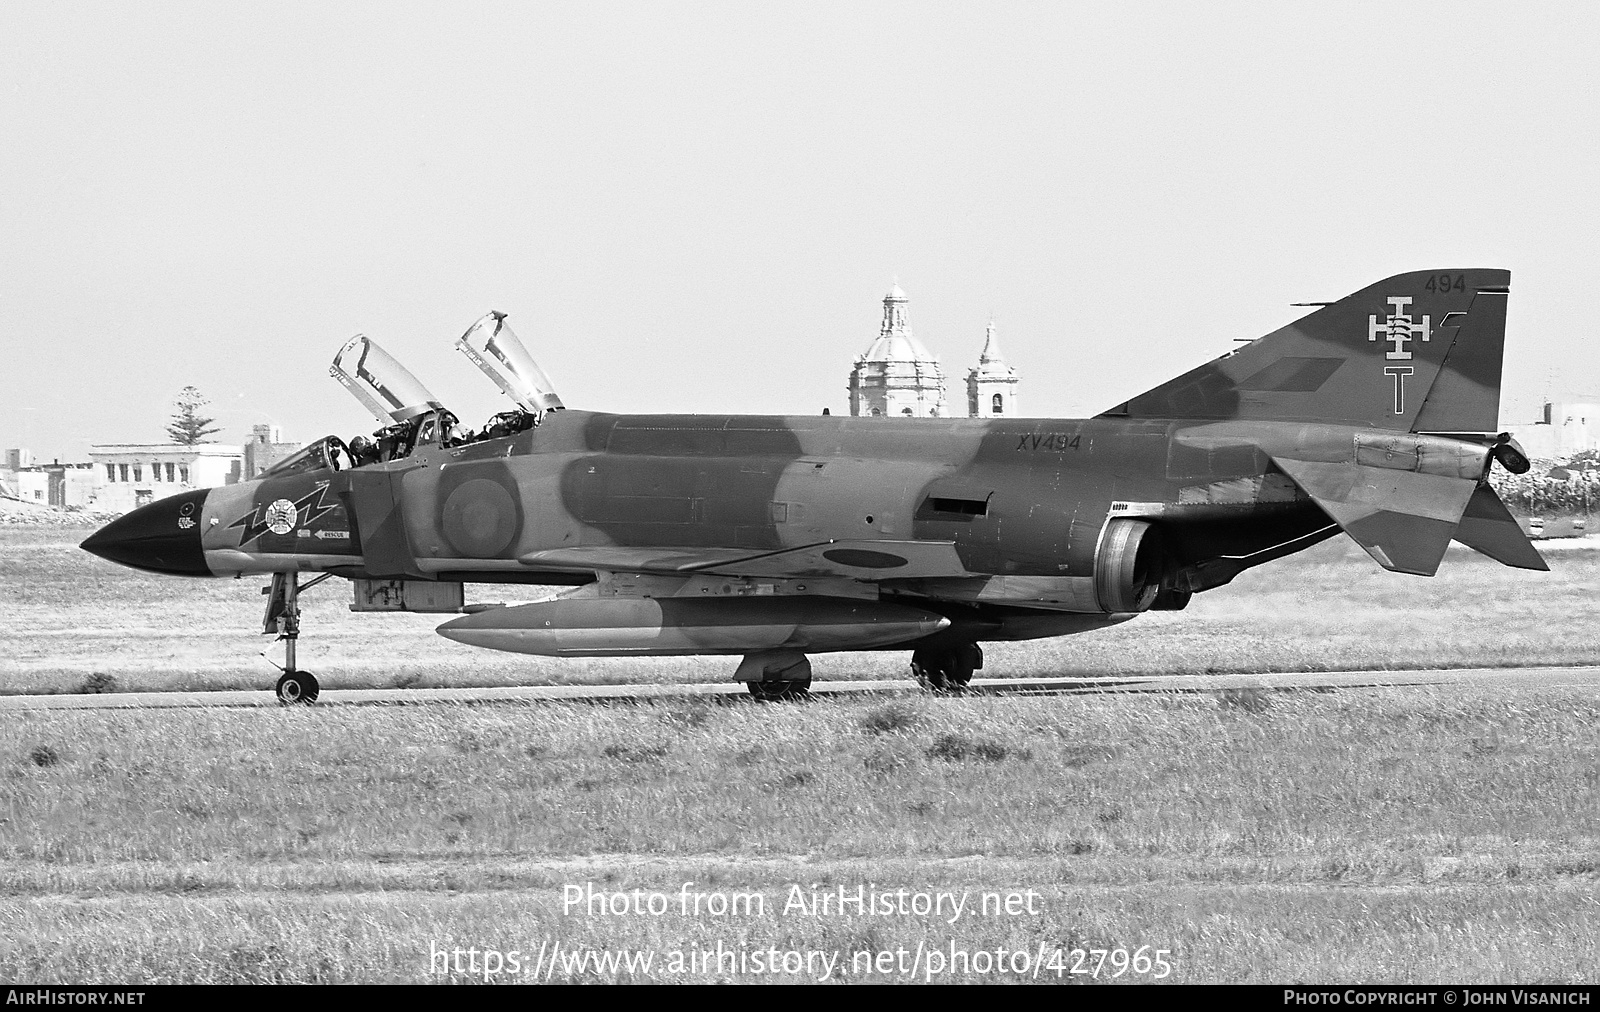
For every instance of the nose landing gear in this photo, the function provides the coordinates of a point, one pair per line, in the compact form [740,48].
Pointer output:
[283,619]
[297,687]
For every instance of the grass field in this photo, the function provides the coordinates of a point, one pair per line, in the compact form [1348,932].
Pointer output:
[1401,836]
[1423,834]
[66,615]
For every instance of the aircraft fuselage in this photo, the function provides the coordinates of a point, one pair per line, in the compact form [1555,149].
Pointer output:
[1022,500]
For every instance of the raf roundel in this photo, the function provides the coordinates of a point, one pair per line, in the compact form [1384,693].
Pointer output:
[281,517]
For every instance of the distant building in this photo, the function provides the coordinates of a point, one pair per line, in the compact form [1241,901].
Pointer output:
[897,375]
[129,475]
[56,484]
[266,447]
[992,385]
[32,486]
[1564,428]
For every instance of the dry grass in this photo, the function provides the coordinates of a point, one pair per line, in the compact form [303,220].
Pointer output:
[1186,776]
[1381,836]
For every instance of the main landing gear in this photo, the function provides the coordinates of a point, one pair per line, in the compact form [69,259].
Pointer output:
[283,618]
[774,676]
[946,668]
[784,675]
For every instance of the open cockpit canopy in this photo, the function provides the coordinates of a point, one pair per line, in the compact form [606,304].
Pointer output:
[493,348]
[381,383]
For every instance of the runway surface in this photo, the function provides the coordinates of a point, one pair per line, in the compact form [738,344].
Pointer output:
[1544,677]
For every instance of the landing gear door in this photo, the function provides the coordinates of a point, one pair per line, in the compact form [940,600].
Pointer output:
[373,500]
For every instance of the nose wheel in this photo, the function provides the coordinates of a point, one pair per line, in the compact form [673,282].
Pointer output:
[297,687]
[283,619]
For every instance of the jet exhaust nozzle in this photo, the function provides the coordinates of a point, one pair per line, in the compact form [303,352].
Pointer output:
[1511,455]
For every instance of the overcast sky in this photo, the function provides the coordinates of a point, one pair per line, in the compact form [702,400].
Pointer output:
[690,207]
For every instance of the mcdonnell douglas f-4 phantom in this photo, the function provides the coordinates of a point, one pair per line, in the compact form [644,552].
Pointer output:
[773,537]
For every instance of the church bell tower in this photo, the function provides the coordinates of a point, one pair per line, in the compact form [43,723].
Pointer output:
[992,385]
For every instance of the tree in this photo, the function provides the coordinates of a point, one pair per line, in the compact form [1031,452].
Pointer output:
[187,426]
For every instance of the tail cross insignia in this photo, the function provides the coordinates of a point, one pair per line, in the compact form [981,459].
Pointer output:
[1398,329]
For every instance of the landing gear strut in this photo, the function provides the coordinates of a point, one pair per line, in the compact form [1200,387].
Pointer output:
[946,668]
[283,618]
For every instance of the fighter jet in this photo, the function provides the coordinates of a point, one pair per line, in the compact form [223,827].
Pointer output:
[774,537]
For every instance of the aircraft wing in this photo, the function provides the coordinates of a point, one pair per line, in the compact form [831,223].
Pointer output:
[1406,519]
[623,559]
[858,560]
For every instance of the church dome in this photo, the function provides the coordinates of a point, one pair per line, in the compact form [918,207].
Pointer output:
[897,375]
[897,348]
[895,341]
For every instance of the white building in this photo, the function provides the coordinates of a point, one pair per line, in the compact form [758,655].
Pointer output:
[1564,428]
[897,375]
[128,475]
[992,385]
[33,485]
[56,484]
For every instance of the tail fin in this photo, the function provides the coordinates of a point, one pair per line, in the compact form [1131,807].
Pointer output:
[1417,352]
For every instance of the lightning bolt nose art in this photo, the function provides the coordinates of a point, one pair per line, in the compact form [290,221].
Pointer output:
[284,516]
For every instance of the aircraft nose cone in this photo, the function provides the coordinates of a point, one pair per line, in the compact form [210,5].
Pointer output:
[163,537]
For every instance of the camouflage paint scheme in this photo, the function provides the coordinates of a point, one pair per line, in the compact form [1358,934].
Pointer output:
[1373,415]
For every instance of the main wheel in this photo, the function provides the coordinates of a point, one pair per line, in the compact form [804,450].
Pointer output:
[968,657]
[946,670]
[931,668]
[297,687]
[776,690]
